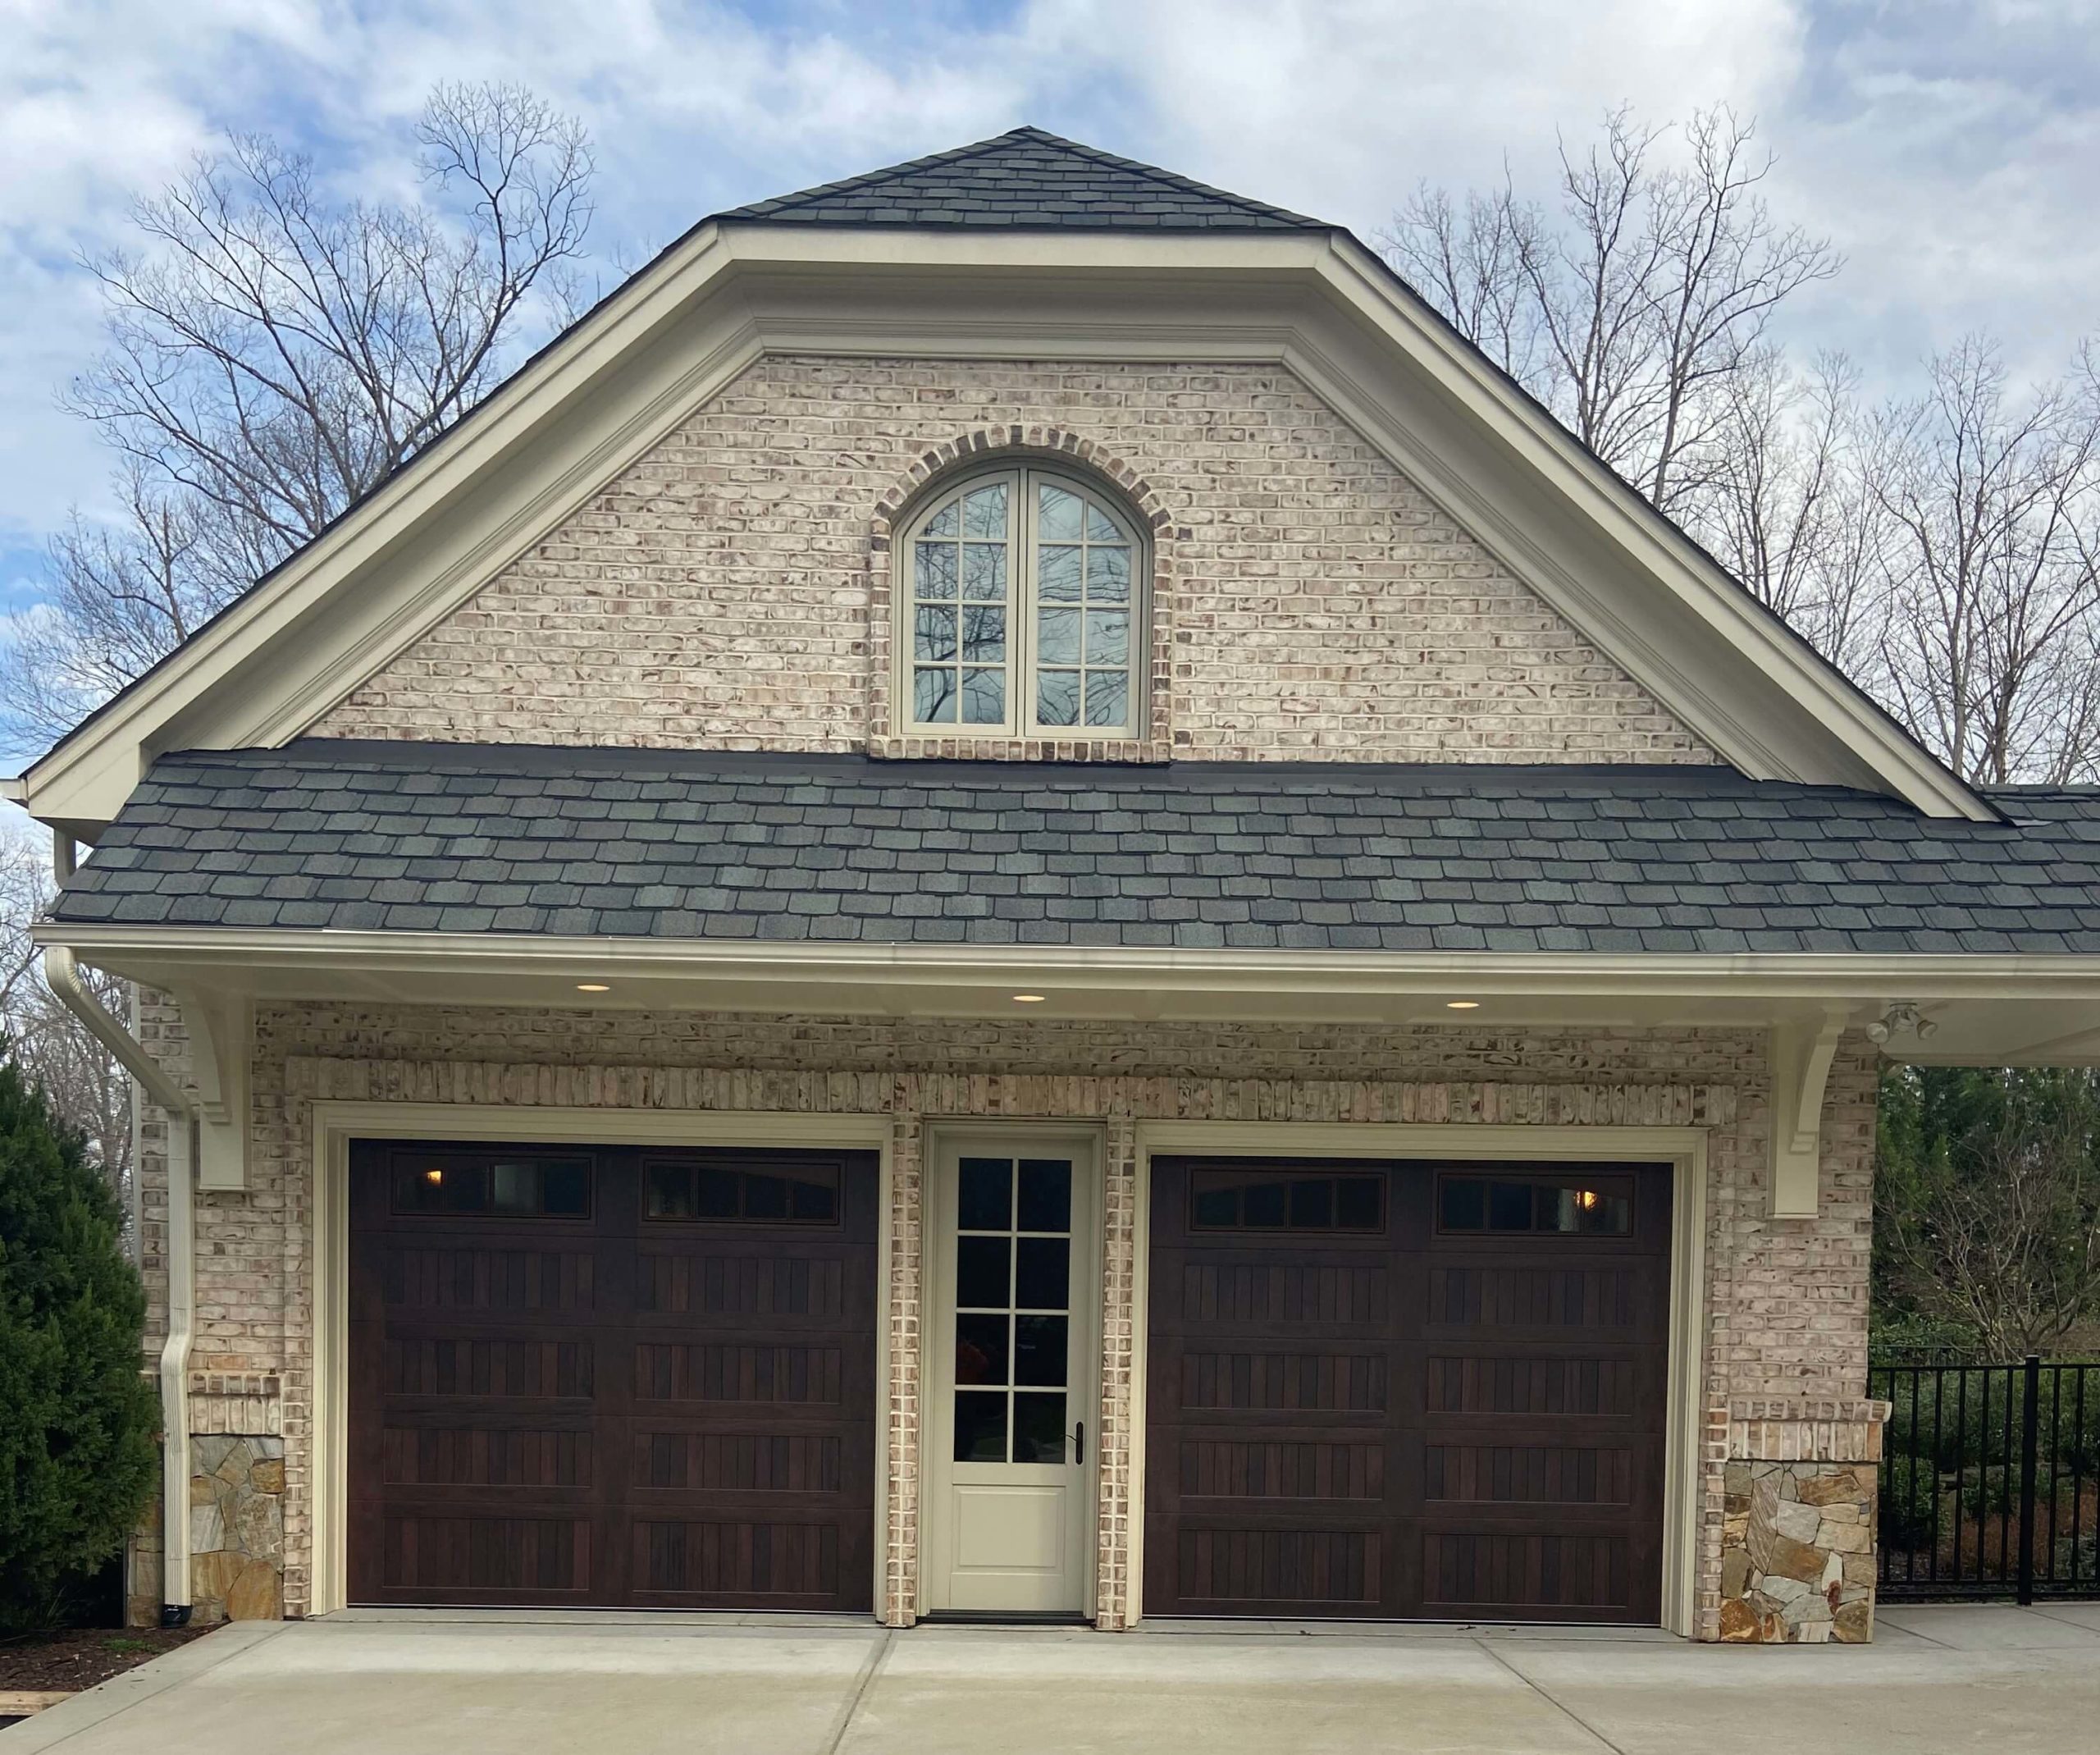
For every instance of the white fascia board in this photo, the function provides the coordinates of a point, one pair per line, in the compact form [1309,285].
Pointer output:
[1790,714]
[438,529]
[1795,975]
[580,414]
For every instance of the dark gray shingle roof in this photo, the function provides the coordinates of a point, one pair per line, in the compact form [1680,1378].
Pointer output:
[418,837]
[1022,181]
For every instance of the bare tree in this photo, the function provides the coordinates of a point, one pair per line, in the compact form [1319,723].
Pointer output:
[1633,315]
[275,353]
[86,1088]
[1785,504]
[1993,567]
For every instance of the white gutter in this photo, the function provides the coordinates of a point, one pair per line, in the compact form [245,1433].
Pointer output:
[62,974]
[1795,975]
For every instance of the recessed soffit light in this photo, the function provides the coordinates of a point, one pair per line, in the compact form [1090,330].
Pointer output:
[1462,1005]
[594,987]
[1030,998]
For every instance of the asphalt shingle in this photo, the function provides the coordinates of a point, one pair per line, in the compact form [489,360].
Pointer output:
[422,837]
[1025,180]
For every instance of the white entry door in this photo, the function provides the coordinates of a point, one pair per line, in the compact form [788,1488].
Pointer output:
[1015,1295]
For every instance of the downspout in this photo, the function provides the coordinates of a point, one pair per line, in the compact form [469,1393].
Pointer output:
[62,974]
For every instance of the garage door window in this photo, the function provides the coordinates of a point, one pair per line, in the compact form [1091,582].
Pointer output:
[777,1190]
[1271,1200]
[458,1184]
[1601,1206]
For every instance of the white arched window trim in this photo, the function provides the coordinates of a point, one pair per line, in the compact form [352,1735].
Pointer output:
[1023,610]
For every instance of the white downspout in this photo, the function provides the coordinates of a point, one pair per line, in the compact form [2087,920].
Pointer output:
[62,974]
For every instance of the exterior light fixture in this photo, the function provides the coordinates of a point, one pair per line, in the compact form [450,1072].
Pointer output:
[1028,999]
[594,987]
[1462,1005]
[1900,1017]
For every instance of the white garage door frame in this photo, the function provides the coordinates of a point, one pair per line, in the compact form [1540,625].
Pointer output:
[1683,1148]
[336,1124]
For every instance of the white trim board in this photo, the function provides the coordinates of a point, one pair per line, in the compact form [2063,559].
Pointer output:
[1316,304]
[336,1124]
[1682,1148]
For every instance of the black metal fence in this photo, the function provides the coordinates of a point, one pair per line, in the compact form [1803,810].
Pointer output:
[1990,1480]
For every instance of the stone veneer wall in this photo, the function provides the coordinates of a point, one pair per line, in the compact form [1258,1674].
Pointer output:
[236,1507]
[1785,1308]
[730,589]
[1797,1542]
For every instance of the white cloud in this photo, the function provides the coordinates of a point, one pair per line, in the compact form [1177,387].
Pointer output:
[1949,149]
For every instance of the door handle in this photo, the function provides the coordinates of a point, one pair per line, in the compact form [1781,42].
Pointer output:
[1079,1439]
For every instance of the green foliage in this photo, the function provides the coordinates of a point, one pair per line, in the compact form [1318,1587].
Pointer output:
[78,1455]
[1987,1210]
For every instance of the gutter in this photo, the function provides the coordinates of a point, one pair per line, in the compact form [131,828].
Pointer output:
[61,973]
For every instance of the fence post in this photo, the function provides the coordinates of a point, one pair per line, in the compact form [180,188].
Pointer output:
[2029,1444]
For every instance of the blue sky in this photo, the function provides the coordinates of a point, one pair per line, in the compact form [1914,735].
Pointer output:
[1950,152]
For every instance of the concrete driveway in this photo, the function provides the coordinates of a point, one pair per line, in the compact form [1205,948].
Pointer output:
[1938,1679]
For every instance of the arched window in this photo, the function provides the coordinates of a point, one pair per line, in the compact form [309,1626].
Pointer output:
[1023,610]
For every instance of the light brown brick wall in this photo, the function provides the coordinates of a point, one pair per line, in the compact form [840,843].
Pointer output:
[730,590]
[1785,1303]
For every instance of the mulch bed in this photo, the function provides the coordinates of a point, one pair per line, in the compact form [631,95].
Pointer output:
[55,1661]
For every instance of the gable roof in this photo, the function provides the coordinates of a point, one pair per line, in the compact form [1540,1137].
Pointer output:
[345,836]
[1025,180]
[820,272]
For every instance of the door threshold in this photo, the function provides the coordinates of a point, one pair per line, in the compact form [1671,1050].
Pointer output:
[1003,1618]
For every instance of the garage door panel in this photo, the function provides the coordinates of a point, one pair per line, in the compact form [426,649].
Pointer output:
[667,1403]
[1276,1568]
[1577,1575]
[1415,1420]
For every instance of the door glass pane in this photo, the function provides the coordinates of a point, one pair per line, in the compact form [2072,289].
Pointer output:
[1508,1206]
[980,1351]
[717,1193]
[1041,1273]
[765,1196]
[1039,1351]
[1039,1427]
[1264,1205]
[1356,1202]
[1046,1194]
[980,1273]
[980,1425]
[1464,1205]
[984,1201]
[1313,1203]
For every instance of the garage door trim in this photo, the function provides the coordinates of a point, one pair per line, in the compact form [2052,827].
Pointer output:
[1683,1148]
[337,1123]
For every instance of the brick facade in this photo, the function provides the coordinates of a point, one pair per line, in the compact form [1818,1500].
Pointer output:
[730,590]
[1784,1304]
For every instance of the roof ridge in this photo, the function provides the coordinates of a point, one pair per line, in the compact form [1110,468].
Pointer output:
[868,179]
[1159,174]
[866,183]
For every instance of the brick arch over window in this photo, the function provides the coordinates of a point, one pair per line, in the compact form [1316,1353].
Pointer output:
[1019,445]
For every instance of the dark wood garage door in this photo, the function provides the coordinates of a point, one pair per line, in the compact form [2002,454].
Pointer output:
[1394,1389]
[611,1376]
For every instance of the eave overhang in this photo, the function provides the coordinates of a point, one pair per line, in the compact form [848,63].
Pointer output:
[1317,303]
[1988,1009]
